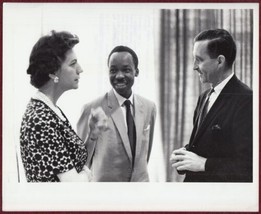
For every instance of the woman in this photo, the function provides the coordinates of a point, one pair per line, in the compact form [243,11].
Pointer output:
[50,149]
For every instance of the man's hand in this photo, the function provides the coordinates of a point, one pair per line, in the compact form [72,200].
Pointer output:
[97,122]
[182,160]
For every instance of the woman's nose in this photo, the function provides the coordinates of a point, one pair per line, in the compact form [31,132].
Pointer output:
[79,69]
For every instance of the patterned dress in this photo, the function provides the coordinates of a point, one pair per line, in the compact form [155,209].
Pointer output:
[49,145]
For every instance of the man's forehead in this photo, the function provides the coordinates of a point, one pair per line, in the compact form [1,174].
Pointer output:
[121,53]
[200,46]
[120,56]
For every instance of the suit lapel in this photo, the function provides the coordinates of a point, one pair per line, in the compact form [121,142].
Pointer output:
[196,118]
[215,109]
[213,112]
[139,123]
[118,119]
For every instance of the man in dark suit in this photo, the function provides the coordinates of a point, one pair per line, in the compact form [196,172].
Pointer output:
[220,147]
[121,153]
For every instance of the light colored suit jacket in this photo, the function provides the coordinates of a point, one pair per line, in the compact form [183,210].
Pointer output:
[110,156]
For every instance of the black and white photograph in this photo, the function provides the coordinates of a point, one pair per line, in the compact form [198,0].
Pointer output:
[130,107]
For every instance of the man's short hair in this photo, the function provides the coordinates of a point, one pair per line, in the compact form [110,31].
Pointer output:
[220,43]
[125,49]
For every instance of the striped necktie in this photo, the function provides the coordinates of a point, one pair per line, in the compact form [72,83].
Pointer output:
[204,108]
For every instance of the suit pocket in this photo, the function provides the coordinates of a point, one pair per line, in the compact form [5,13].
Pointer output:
[145,138]
[147,128]
[146,133]
[216,131]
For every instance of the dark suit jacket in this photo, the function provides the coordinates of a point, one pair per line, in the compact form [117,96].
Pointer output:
[110,156]
[225,136]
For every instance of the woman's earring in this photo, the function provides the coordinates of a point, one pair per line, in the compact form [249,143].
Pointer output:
[56,79]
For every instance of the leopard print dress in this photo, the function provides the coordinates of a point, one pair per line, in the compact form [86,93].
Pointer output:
[49,145]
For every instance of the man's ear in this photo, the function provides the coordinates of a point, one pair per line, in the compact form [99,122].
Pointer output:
[221,60]
[137,72]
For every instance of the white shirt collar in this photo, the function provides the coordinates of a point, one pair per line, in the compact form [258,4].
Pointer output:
[218,88]
[41,96]
[122,99]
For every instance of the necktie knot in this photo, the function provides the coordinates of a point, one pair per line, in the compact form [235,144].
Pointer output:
[127,103]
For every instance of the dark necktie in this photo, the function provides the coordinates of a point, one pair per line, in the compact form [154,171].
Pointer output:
[131,128]
[204,108]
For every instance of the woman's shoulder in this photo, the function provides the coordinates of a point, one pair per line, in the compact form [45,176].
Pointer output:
[38,110]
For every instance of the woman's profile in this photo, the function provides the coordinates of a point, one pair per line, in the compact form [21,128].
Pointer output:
[51,151]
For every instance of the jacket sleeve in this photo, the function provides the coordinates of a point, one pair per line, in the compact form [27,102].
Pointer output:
[83,132]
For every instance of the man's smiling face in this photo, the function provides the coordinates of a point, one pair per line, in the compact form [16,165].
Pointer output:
[122,72]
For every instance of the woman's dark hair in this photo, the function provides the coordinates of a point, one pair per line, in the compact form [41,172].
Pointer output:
[125,49]
[48,54]
[220,43]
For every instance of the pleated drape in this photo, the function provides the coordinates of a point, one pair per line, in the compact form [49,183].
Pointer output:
[179,84]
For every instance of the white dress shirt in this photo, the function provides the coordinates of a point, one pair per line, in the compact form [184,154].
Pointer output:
[217,90]
[121,101]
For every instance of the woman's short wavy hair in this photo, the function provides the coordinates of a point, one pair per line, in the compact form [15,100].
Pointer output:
[48,54]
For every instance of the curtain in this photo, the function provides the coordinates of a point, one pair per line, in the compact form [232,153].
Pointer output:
[179,84]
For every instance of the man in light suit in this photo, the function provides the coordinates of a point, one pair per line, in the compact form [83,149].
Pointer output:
[220,147]
[119,153]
